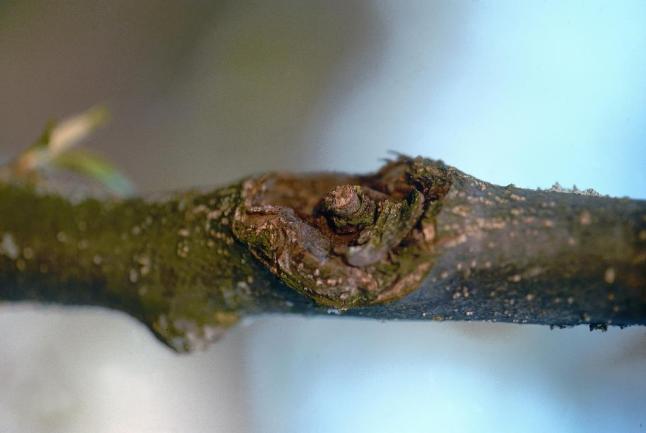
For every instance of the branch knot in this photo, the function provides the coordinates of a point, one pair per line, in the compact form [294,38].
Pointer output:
[345,241]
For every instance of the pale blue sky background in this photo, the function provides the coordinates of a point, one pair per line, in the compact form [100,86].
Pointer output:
[522,92]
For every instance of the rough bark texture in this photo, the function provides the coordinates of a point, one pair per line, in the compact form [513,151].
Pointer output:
[416,240]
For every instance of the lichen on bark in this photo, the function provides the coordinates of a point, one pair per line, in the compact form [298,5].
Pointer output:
[416,240]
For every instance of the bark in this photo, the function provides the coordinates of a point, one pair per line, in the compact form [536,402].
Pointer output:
[416,240]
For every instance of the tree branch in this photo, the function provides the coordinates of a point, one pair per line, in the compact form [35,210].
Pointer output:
[416,240]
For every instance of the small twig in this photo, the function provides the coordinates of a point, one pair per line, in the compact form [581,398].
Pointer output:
[417,240]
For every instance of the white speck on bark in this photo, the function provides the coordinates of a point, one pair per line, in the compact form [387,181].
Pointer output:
[8,246]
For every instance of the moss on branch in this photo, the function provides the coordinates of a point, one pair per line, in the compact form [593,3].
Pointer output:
[416,240]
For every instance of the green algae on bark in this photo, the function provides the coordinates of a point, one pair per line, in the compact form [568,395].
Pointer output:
[173,264]
[416,240]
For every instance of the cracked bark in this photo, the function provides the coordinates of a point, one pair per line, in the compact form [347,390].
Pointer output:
[416,240]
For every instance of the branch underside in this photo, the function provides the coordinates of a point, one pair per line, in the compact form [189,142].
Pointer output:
[416,240]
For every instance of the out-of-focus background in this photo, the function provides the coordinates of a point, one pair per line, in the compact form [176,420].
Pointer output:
[204,92]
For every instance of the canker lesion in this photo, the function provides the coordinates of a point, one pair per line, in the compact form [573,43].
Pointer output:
[343,240]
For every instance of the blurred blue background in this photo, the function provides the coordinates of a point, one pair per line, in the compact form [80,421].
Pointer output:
[203,93]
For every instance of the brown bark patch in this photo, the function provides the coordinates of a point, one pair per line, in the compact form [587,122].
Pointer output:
[345,240]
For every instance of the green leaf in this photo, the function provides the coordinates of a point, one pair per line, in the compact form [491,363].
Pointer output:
[95,167]
[58,138]
[71,131]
